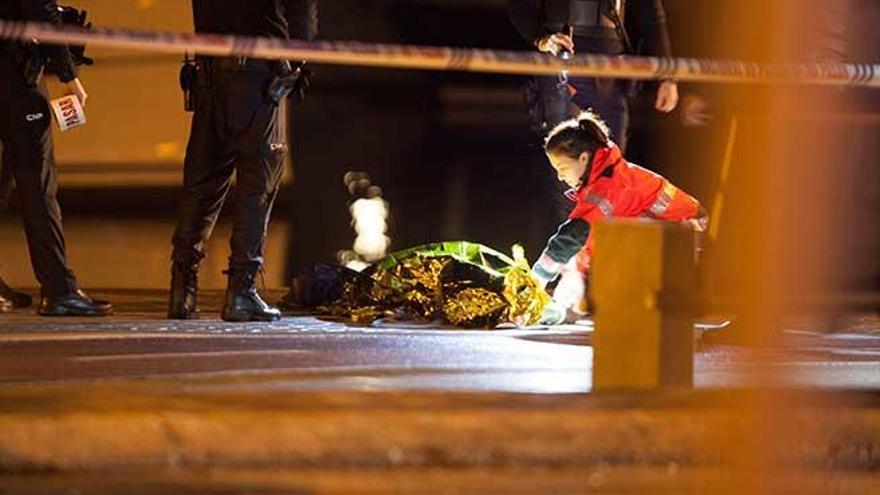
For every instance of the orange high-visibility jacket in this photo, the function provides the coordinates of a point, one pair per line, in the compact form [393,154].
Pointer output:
[615,188]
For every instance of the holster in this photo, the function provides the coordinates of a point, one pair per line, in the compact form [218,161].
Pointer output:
[189,75]
[288,79]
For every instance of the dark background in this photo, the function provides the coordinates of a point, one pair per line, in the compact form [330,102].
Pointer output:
[452,152]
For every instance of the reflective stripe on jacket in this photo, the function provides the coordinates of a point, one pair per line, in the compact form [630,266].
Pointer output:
[619,189]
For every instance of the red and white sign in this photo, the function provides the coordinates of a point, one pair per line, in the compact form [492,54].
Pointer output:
[68,112]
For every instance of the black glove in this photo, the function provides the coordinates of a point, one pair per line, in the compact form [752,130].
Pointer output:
[289,79]
[71,16]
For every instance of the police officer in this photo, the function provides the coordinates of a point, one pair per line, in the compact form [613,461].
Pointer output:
[237,127]
[26,134]
[608,27]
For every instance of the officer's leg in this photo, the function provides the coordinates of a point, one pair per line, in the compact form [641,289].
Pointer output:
[28,149]
[555,107]
[259,178]
[261,147]
[607,98]
[9,298]
[207,177]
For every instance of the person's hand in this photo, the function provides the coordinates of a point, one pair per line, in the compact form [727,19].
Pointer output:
[554,314]
[554,43]
[571,289]
[695,111]
[75,87]
[667,97]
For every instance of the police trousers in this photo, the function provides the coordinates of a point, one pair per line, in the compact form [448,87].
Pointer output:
[235,132]
[28,159]
[606,97]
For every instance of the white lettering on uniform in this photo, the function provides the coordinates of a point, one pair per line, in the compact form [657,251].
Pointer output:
[33,117]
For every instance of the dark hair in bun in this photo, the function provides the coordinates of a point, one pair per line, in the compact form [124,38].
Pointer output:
[587,133]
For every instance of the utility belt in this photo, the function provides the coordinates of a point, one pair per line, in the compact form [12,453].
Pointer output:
[235,64]
[199,72]
[594,19]
[285,78]
[598,32]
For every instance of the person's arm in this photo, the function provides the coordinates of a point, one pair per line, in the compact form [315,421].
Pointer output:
[565,244]
[652,39]
[525,15]
[302,19]
[59,55]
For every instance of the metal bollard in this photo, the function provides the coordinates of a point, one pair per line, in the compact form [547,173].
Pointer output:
[637,342]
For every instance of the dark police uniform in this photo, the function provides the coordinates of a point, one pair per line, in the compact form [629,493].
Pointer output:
[235,128]
[596,29]
[26,134]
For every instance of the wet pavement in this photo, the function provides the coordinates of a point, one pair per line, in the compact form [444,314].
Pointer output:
[307,353]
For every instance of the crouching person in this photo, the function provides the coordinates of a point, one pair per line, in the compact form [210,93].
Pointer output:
[603,186]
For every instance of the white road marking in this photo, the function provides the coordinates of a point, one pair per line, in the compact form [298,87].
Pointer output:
[175,355]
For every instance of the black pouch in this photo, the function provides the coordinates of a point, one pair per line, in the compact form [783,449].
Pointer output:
[189,73]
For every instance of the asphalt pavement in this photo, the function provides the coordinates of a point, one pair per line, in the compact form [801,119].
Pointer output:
[309,353]
[136,403]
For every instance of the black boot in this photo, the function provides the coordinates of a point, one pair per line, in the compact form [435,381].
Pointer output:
[14,297]
[5,304]
[183,303]
[242,303]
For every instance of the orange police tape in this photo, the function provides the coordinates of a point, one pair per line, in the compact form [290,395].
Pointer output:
[451,59]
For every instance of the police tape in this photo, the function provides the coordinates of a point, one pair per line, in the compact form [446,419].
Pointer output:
[451,59]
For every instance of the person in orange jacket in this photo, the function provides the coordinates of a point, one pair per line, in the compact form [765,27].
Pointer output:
[603,186]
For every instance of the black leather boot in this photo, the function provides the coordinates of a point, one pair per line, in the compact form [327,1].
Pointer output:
[183,302]
[5,304]
[16,298]
[74,304]
[242,303]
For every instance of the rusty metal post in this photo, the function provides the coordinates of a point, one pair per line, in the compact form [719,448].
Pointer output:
[638,343]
